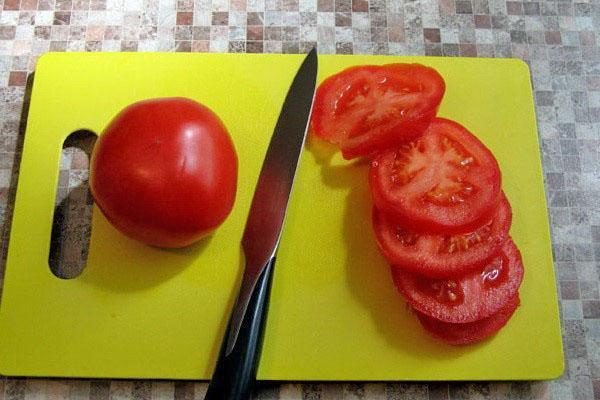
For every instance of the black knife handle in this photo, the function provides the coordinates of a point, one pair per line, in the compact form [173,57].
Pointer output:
[235,373]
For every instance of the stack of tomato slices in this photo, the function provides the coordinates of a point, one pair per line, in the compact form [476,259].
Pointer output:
[440,217]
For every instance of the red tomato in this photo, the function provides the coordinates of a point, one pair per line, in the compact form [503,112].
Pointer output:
[447,181]
[468,298]
[369,108]
[471,332]
[164,172]
[442,256]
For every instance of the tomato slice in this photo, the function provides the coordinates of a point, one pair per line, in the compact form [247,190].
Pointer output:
[471,332]
[372,107]
[469,298]
[442,256]
[447,181]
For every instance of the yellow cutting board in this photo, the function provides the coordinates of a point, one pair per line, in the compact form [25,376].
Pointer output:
[144,312]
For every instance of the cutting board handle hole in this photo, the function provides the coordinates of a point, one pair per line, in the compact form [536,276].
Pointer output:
[72,222]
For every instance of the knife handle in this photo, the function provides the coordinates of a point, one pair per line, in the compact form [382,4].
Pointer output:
[235,373]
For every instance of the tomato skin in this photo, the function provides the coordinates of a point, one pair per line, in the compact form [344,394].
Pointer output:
[409,93]
[475,295]
[431,255]
[470,332]
[164,172]
[404,181]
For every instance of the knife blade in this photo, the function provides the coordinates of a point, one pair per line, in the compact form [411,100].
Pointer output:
[240,351]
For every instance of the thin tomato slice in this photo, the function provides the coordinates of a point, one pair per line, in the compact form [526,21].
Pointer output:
[442,256]
[471,332]
[446,181]
[469,298]
[373,107]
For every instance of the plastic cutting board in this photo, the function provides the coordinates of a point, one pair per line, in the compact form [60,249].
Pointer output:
[143,312]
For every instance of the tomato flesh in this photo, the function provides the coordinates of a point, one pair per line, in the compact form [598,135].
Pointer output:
[446,181]
[368,108]
[164,172]
[470,332]
[442,256]
[468,298]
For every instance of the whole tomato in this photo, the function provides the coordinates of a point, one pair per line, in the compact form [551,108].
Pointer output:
[164,172]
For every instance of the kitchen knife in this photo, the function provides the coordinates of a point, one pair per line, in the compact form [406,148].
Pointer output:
[236,367]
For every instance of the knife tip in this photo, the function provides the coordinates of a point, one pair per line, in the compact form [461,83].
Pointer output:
[312,54]
[311,61]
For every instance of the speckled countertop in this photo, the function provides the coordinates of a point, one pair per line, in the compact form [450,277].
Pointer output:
[559,40]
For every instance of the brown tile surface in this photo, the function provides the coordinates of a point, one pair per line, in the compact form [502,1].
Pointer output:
[184,18]
[200,46]
[254,46]
[343,19]
[219,18]
[255,33]
[28,5]
[514,8]
[569,290]
[431,35]
[17,78]
[255,18]
[482,21]
[553,37]
[10,5]
[323,5]
[360,5]
[7,32]
[464,7]
[62,18]
[468,50]
[557,38]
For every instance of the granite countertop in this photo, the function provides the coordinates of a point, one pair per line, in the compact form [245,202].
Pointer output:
[558,39]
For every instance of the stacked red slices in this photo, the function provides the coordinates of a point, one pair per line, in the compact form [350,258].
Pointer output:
[440,216]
